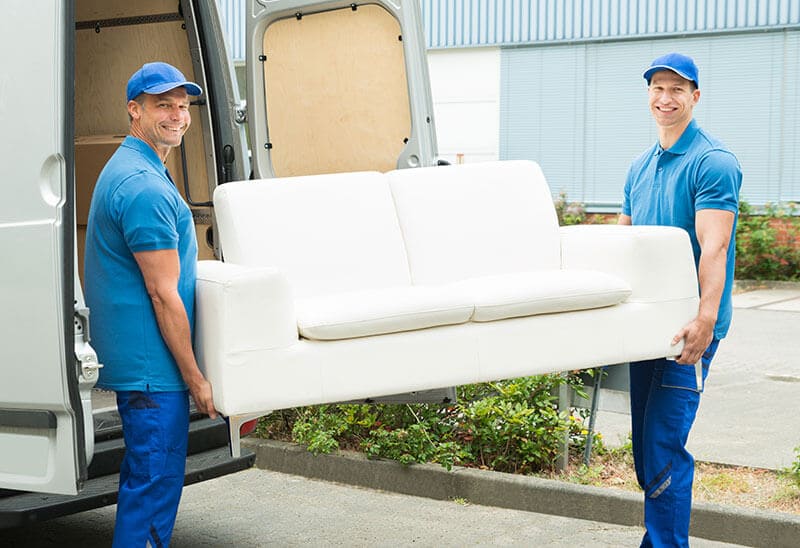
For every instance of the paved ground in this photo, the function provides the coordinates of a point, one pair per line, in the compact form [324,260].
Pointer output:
[257,508]
[750,410]
[748,416]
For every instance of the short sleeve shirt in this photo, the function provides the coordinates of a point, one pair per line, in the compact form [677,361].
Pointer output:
[668,187]
[135,207]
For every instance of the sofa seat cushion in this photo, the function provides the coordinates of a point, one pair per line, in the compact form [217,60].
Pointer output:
[380,311]
[541,292]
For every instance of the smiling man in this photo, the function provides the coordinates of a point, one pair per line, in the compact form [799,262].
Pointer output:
[690,180]
[141,255]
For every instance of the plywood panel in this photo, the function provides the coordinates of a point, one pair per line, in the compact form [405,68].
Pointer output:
[103,63]
[91,10]
[336,92]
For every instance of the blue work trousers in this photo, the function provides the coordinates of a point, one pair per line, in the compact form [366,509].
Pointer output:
[155,426]
[665,396]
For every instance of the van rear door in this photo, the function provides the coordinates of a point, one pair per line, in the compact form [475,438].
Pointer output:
[337,86]
[42,438]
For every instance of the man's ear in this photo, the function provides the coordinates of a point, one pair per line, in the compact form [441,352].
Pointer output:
[134,110]
[696,96]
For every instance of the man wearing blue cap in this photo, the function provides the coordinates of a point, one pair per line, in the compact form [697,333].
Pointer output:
[690,180]
[141,254]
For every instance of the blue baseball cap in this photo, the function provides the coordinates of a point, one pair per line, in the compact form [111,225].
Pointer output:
[682,65]
[158,77]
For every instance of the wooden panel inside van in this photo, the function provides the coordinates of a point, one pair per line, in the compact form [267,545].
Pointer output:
[104,61]
[336,92]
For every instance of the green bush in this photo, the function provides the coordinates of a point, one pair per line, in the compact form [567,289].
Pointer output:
[569,213]
[762,253]
[509,426]
[793,471]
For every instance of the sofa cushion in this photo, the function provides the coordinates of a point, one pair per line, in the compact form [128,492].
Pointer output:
[475,220]
[541,292]
[326,233]
[378,311]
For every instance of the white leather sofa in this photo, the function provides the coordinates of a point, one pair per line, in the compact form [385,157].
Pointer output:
[353,285]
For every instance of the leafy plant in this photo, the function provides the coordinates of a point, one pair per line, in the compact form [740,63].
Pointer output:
[768,244]
[792,473]
[569,213]
[511,426]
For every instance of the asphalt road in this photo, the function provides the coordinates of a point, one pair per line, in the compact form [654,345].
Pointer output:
[257,508]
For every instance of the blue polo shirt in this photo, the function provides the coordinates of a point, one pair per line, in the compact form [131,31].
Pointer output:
[135,207]
[667,187]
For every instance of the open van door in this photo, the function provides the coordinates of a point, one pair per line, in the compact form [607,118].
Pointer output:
[337,86]
[42,432]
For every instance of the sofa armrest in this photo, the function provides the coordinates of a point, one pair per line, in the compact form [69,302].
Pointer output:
[240,309]
[656,261]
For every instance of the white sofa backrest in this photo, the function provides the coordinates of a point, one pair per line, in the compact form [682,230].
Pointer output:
[476,220]
[326,233]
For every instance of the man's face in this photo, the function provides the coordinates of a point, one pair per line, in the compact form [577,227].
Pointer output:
[672,99]
[161,119]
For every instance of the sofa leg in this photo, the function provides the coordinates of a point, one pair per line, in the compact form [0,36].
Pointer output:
[235,423]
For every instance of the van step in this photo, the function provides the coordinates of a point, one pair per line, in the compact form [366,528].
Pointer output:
[26,508]
[204,434]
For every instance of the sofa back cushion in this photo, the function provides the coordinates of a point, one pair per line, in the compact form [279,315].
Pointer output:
[476,220]
[326,233]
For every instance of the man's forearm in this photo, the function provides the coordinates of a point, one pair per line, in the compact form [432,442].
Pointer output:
[174,326]
[711,277]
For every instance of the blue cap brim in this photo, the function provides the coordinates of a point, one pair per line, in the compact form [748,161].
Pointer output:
[191,88]
[656,68]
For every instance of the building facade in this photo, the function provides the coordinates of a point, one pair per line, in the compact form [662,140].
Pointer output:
[559,82]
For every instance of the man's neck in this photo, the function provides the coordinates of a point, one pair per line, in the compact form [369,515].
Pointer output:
[668,136]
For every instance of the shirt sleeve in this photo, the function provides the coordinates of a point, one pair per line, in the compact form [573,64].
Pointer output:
[626,198]
[148,215]
[719,179]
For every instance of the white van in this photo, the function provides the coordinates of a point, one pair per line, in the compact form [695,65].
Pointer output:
[65,64]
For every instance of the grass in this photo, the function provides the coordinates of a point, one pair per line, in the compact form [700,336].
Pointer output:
[715,483]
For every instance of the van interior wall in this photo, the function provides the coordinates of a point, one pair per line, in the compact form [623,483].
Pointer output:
[336,92]
[105,57]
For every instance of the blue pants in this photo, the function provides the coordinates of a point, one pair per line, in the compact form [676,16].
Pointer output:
[155,426]
[664,400]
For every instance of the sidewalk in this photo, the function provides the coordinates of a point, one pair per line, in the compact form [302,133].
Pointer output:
[749,412]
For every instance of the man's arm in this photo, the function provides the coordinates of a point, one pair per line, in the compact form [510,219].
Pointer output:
[714,228]
[624,219]
[161,270]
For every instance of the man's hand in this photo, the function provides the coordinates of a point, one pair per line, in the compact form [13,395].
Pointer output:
[203,397]
[696,335]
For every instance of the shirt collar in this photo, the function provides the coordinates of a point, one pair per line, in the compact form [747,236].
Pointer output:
[146,150]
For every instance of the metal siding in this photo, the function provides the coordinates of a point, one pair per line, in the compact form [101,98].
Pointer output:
[466,23]
[581,110]
[232,13]
[790,132]
[541,112]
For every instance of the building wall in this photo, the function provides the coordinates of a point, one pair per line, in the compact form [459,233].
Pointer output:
[468,23]
[559,82]
[581,110]
[465,85]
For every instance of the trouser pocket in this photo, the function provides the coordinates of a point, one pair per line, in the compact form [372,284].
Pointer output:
[689,377]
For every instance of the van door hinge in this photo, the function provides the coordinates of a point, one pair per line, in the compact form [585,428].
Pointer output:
[85,356]
[240,113]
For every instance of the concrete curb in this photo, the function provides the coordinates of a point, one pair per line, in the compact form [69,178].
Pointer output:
[710,521]
[754,285]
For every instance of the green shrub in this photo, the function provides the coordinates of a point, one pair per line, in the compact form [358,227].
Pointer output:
[509,426]
[762,253]
[793,471]
[569,213]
